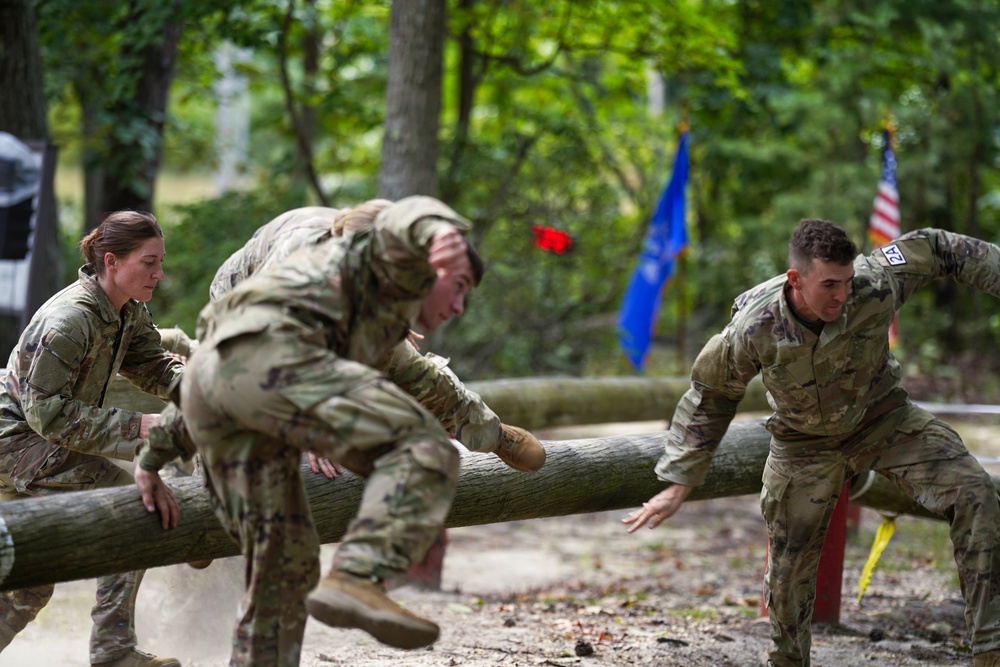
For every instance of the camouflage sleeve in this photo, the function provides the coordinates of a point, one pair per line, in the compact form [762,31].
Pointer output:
[919,257]
[718,382]
[146,364]
[292,241]
[273,242]
[233,271]
[168,440]
[46,397]
[176,341]
[460,410]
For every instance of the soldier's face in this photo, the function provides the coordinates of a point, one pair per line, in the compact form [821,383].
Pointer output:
[447,297]
[820,292]
[135,275]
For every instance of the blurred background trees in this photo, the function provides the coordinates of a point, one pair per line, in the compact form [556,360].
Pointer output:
[562,113]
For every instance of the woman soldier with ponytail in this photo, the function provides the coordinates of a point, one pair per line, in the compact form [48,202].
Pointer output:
[56,435]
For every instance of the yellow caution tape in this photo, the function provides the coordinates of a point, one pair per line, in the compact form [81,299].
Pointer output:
[882,537]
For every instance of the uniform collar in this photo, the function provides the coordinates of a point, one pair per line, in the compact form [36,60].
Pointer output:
[88,279]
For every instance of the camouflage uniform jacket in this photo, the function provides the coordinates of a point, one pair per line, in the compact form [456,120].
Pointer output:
[59,372]
[427,378]
[817,385]
[295,228]
[356,296]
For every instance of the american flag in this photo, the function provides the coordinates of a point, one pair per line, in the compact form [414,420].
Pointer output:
[883,226]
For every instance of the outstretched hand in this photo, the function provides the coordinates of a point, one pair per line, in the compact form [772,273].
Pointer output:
[659,508]
[157,496]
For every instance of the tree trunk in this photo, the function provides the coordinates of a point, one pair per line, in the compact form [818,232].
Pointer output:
[302,117]
[131,160]
[465,91]
[413,99]
[23,114]
[92,160]
[22,104]
[91,533]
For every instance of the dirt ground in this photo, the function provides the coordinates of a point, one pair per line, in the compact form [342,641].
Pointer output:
[578,590]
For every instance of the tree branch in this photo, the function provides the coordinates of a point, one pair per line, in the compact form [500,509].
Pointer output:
[298,128]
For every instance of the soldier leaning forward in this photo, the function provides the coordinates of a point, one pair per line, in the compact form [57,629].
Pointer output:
[292,360]
[55,434]
[819,335]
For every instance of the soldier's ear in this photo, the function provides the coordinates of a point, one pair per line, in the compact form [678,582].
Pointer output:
[794,279]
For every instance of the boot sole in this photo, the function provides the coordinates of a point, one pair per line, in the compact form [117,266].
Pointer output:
[339,610]
[522,466]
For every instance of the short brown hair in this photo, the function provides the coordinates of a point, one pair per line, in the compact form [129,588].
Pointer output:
[475,262]
[822,240]
[120,233]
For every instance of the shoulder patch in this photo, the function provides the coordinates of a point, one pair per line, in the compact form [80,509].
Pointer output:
[893,254]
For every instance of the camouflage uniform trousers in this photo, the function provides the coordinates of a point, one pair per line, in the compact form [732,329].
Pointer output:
[921,455]
[113,633]
[251,436]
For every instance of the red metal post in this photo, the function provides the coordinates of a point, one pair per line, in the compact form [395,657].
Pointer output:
[427,573]
[830,576]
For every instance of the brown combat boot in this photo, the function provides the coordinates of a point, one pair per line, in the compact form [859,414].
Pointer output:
[137,658]
[519,449]
[345,600]
[987,659]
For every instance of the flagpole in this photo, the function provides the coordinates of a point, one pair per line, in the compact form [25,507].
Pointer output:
[885,223]
[681,278]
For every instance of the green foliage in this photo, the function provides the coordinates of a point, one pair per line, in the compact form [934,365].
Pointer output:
[202,238]
[560,136]
[546,121]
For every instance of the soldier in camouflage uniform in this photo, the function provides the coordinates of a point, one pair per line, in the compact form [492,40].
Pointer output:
[425,377]
[298,226]
[55,436]
[819,336]
[295,359]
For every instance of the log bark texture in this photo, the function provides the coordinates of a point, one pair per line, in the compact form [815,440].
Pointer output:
[90,533]
[534,403]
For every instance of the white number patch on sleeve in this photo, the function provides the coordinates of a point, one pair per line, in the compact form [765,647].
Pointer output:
[893,254]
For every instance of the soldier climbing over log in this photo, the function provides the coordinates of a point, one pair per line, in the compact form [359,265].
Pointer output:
[426,377]
[819,336]
[292,360]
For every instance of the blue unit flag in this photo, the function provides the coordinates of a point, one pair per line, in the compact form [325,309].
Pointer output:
[665,239]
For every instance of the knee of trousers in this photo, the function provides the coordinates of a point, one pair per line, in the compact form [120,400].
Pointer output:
[431,453]
[437,454]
